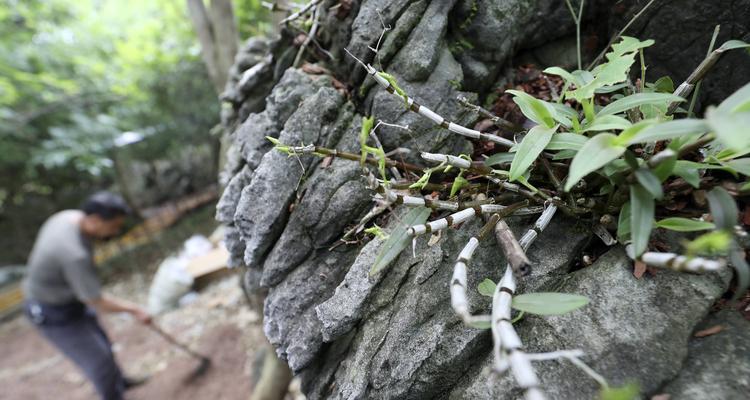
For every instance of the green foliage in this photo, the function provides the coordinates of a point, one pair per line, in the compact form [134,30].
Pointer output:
[487,288]
[76,75]
[398,238]
[641,217]
[392,80]
[534,109]
[712,243]
[532,145]
[548,303]
[627,392]
[684,224]
[594,154]
[377,232]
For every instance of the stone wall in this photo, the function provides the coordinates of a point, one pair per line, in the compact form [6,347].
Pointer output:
[348,335]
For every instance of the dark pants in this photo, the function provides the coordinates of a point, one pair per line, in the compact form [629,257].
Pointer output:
[75,331]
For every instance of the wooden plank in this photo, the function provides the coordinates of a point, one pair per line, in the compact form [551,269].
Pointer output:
[11,299]
[208,263]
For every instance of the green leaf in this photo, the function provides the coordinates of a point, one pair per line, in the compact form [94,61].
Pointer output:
[487,288]
[549,303]
[664,85]
[499,158]
[627,392]
[711,243]
[615,71]
[565,75]
[685,170]
[398,238]
[637,100]
[458,183]
[481,324]
[564,114]
[566,141]
[723,208]
[531,146]
[626,45]
[534,109]
[608,122]
[625,136]
[610,88]
[733,44]
[623,224]
[665,168]
[684,224]
[594,154]
[641,218]
[730,128]
[737,259]
[741,165]
[564,155]
[669,130]
[738,101]
[650,182]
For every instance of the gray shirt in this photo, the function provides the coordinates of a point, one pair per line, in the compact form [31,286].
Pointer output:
[61,266]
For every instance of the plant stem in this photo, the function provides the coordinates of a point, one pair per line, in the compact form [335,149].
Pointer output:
[698,85]
[619,34]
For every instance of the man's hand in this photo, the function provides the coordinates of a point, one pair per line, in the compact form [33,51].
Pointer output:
[141,315]
[106,303]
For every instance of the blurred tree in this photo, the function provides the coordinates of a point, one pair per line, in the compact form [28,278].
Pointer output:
[75,75]
[217,33]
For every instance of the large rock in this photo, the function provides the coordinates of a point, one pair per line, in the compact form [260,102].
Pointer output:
[718,366]
[394,335]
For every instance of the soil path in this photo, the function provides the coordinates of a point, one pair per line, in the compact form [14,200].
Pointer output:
[218,323]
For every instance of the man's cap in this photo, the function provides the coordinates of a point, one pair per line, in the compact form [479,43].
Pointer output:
[106,204]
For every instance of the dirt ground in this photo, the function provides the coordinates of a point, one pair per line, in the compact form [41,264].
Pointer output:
[218,323]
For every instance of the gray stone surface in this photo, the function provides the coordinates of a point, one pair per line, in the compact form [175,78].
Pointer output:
[263,207]
[348,335]
[632,330]
[682,31]
[718,366]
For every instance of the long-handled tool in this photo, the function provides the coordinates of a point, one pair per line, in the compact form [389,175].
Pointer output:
[205,361]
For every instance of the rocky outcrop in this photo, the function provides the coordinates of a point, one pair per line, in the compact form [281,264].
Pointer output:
[394,335]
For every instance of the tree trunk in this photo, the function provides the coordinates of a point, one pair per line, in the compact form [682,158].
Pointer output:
[217,34]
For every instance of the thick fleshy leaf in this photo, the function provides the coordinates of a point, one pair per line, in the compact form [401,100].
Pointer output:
[398,239]
[730,128]
[487,288]
[594,154]
[607,123]
[637,100]
[534,109]
[650,182]
[641,218]
[549,303]
[684,224]
[723,208]
[566,141]
[531,146]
